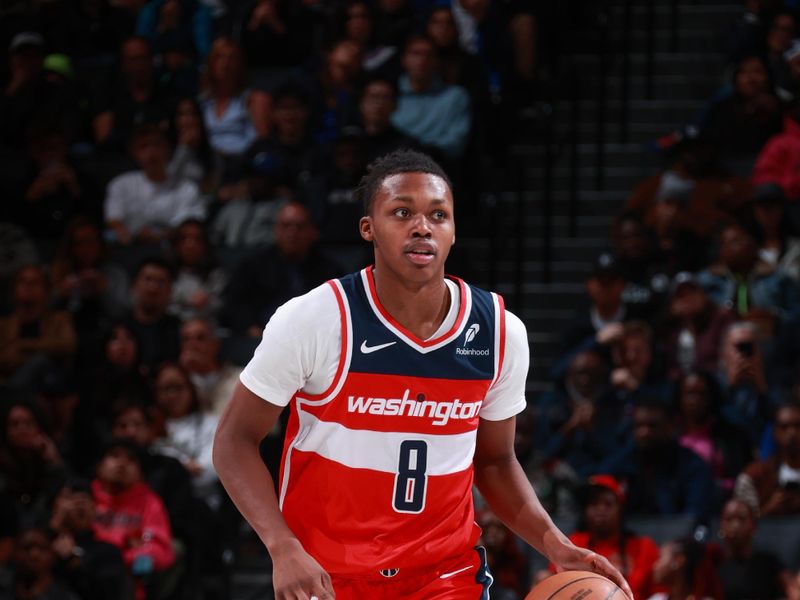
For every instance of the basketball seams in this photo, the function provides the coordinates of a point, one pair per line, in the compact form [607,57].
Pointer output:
[573,581]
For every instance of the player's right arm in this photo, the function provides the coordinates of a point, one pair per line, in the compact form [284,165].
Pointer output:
[245,422]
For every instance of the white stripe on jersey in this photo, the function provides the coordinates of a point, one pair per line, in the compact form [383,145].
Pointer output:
[380,450]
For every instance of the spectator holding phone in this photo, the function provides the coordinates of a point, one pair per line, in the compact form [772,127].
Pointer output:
[772,486]
[742,377]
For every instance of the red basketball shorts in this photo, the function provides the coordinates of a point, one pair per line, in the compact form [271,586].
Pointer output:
[465,579]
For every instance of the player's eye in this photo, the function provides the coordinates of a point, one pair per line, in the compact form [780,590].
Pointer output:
[402,212]
[439,215]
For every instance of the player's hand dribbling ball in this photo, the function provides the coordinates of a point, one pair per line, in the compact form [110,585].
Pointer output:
[576,585]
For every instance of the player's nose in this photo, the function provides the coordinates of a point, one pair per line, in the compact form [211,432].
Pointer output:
[420,226]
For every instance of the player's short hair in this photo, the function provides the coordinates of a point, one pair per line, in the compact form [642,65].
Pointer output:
[399,161]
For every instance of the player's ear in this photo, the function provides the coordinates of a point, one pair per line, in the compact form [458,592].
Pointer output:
[365,228]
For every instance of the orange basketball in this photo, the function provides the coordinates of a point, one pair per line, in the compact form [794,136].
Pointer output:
[576,585]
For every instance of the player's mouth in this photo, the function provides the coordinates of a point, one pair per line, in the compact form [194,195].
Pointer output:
[420,254]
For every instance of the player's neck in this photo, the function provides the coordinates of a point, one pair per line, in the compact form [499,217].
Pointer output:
[419,307]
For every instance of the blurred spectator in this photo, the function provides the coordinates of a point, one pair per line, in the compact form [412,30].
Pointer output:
[684,567]
[34,576]
[788,73]
[604,287]
[130,515]
[741,373]
[741,123]
[136,97]
[508,565]
[153,327]
[330,192]
[772,486]
[33,337]
[707,192]
[504,36]
[380,56]
[85,282]
[189,432]
[646,285]
[694,328]
[662,477]
[291,141]
[273,275]
[750,287]
[176,26]
[234,116]
[746,573]
[704,429]
[782,30]
[634,373]
[94,569]
[456,66]
[55,190]
[378,102]
[434,113]
[394,21]
[777,246]
[118,373]
[31,469]
[249,208]
[276,35]
[602,530]
[582,423]
[199,283]
[776,162]
[192,159]
[677,247]
[213,379]
[144,206]
[335,87]
[28,95]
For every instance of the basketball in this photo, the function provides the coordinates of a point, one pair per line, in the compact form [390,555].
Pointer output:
[576,585]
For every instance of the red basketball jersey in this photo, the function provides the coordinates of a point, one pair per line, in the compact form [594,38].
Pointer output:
[377,470]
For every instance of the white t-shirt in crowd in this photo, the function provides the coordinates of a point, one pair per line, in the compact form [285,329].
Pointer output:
[137,202]
[300,348]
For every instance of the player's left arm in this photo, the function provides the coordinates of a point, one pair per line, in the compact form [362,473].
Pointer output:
[500,477]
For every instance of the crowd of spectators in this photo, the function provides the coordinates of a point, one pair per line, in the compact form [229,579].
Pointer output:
[677,395]
[173,171]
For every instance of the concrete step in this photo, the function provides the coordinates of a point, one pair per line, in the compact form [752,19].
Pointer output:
[689,15]
[664,63]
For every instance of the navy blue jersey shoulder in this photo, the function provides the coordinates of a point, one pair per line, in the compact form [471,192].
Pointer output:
[378,349]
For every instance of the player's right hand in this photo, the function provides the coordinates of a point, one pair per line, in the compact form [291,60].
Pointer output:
[297,576]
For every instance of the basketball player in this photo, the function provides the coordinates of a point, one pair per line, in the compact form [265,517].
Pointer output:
[403,385]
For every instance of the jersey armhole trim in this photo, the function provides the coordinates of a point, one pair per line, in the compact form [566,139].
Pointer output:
[500,335]
[345,345]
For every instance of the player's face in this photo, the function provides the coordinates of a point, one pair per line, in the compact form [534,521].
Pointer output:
[411,226]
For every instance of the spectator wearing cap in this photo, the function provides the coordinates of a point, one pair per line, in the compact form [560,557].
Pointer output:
[694,327]
[249,206]
[602,530]
[144,206]
[776,244]
[744,571]
[33,337]
[437,115]
[604,287]
[377,103]
[130,515]
[750,287]
[94,569]
[271,276]
[662,477]
[772,486]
